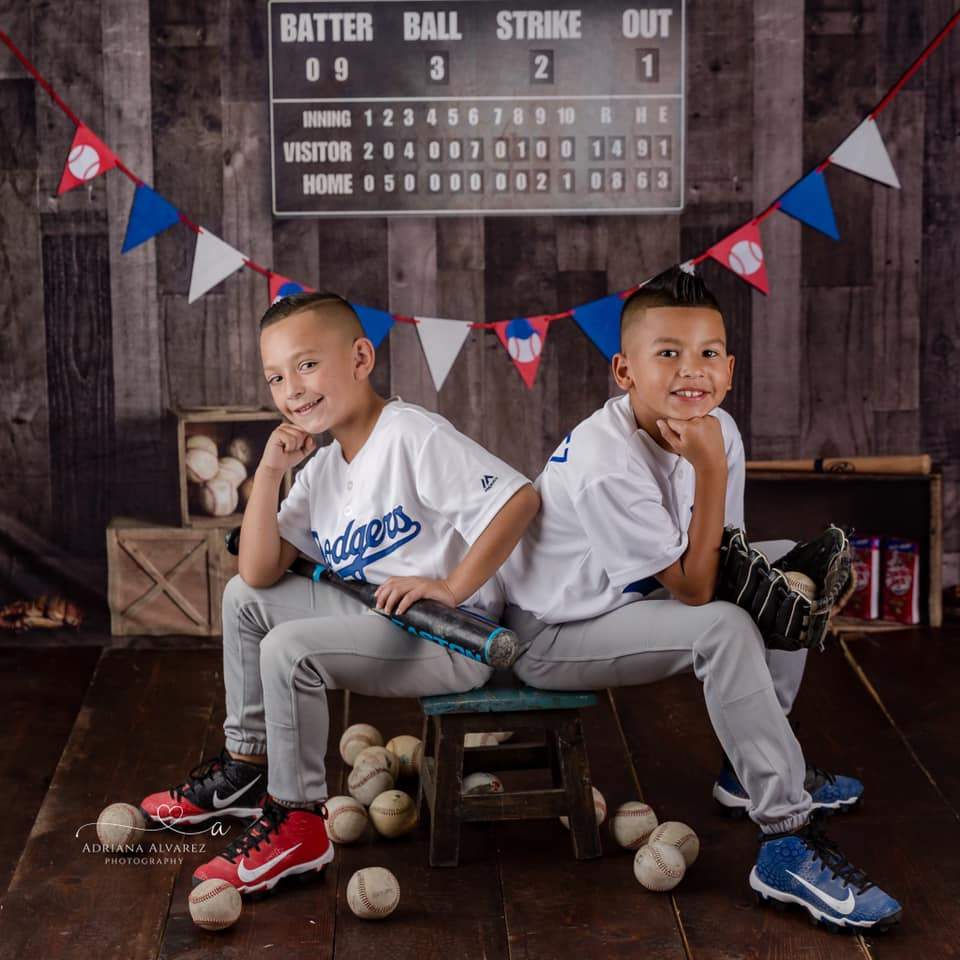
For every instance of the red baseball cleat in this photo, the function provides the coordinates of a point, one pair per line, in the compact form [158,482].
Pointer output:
[282,843]
[218,787]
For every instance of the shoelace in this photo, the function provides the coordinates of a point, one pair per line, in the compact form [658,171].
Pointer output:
[258,832]
[838,865]
[200,774]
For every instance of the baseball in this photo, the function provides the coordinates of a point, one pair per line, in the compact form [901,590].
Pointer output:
[356,738]
[346,819]
[84,162]
[599,806]
[217,497]
[232,470]
[244,491]
[202,465]
[480,740]
[525,349]
[672,833]
[379,754]
[369,779]
[241,449]
[393,813]
[373,893]
[481,783]
[801,583]
[658,866]
[745,257]
[215,904]
[632,823]
[404,748]
[200,441]
[120,824]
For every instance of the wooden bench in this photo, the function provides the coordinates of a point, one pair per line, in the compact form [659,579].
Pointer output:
[556,744]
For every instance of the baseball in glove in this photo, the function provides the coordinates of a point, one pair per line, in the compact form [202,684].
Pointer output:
[45,611]
[792,601]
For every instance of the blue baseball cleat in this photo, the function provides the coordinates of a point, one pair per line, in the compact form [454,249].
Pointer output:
[803,868]
[830,792]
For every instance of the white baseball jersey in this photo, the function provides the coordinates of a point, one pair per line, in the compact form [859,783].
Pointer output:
[415,497]
[615,511]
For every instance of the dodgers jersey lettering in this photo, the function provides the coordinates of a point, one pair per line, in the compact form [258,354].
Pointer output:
[410,503]
[615,511]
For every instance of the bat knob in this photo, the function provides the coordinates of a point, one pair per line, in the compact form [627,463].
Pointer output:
[232,540]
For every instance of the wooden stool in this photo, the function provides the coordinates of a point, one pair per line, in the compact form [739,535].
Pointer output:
[505,705]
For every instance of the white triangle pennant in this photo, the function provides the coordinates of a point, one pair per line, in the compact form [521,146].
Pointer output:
[441,341]
[213,261]
[864,152]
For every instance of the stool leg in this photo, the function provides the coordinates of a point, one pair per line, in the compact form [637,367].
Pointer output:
[448,777]
[576,779]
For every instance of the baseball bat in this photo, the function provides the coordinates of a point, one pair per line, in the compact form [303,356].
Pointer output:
[917,464]
[457,630]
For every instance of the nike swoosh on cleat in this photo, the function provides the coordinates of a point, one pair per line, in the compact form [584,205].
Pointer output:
[219,804]
[247,875]
[843,907]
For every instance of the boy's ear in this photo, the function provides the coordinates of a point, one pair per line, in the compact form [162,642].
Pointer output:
[621,371]
[731,361]
[364,358]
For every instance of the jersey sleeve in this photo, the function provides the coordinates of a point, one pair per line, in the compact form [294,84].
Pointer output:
[736,476]
[462,481]
[629,529]
[293,519]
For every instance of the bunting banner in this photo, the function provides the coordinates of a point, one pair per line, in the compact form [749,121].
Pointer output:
[600,321]
[524,339]
[376,323]
[809,202]
[150,214]
[742,252]
[862,152]
[213,262]
[280,286]
[441,341]
[89,157]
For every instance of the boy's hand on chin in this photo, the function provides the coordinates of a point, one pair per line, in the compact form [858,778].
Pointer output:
[286,447]
[395,594]
[698,440]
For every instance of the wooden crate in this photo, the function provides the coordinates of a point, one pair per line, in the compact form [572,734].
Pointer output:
[166,580]
[222,424]
[799,505]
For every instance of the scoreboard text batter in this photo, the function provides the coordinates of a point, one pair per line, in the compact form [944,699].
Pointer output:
[388,107]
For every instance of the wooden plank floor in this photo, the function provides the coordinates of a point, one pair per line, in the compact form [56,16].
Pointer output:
[88,727]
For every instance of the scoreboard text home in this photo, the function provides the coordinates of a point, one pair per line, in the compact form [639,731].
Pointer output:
[388,107]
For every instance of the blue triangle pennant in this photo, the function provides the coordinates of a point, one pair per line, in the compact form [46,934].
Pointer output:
[150,214]
[376,323]
[600,321]
[809,202]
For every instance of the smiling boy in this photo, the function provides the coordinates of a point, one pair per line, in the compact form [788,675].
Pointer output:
[398,498]
[613,585]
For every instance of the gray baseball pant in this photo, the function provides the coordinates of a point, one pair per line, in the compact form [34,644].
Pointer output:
[748,689]
[284,646]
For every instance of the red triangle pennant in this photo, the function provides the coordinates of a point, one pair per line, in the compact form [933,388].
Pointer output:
[742,252]
[89,157]
[524,339]
[281,286]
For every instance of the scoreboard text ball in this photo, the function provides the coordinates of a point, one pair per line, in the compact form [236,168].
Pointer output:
[390,108]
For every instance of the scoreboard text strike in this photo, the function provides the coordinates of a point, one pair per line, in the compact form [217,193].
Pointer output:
[389,107]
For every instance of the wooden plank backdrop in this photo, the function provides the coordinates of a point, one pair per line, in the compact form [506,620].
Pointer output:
[855,352]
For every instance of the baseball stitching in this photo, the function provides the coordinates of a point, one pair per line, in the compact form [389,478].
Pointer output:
[365,900]
[368,777]
[216,891]
[658,860]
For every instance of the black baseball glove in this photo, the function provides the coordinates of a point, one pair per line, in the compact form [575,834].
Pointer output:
[792,612]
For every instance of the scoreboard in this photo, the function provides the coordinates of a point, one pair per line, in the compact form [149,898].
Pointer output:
[389,107]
